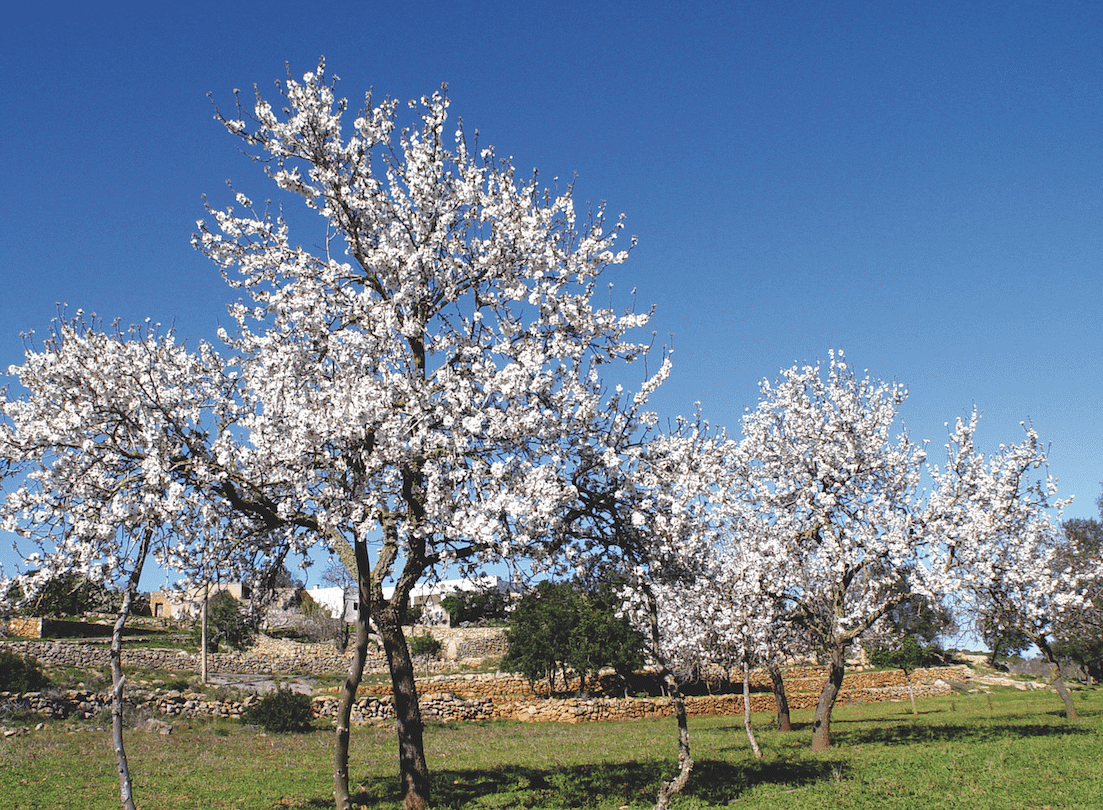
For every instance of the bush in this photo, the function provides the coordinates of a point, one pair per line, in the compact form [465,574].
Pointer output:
[225,623]
[908,655]
[476,607]
[282,710]
[19,674]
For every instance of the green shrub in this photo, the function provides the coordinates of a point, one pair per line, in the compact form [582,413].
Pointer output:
[426,648]
[225,623]
[282,710]
[19,674]
[908,655]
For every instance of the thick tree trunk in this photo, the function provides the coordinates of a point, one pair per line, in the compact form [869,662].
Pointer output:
[413,771]
[747,710]
[126,788]
[821,722]
[780,698]
[341,794]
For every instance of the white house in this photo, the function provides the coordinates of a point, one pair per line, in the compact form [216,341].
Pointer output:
[344,601]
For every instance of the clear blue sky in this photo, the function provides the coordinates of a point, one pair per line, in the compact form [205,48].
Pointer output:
[916,184]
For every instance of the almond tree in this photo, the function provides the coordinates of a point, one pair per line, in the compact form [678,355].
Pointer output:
[427,384]
[101,439]
[832,498]
[645,521]
[1008,555]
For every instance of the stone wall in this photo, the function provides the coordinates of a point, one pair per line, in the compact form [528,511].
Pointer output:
[266,657]
[309,659]
[444,697]
[22,626]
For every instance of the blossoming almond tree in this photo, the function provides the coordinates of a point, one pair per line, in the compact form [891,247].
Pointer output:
[832,499]
[427,383]
[645,521]
[1007,555]
[101,437]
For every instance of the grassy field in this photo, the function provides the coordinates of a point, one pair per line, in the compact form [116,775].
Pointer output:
[1012,750]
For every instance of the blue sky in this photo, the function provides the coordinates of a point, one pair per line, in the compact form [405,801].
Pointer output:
[916,184]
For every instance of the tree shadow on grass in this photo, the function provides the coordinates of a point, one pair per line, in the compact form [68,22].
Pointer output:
[599,784]
[904,733]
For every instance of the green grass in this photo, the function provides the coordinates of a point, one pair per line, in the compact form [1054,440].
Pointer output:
[958,752]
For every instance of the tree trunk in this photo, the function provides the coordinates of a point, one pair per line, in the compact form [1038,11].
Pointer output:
[1057,681]
[821,722]
[342,797]
[203,634]
[747,710]
[685,763]
[126,788]
[413,771]
[667,790]
[780,698]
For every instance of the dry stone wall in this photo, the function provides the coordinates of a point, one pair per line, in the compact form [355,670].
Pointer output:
[443,697]
[265,657]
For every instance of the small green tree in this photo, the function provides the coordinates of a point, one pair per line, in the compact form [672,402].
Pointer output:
[282,710]
[1001,634]
[601,638]
[1079,637]
[563,625]
[425,647]
[539,637]
[226,622]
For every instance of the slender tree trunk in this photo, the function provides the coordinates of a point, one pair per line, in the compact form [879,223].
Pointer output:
[203,633]
[747,710]
[341,794]
[821,722]
[667,790]
[126,788]
[780,698]
[413,770]
[1056,679]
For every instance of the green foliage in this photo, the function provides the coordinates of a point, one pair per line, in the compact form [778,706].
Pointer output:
[1001,635]
[475,607]
[1079,637]
[226,622]
[21,674]
[280,711]
[908,655]
[921,618]
[68,595]
[561,625]
[425,647]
